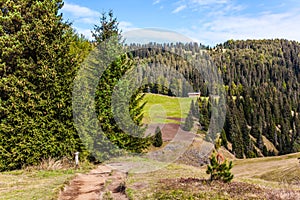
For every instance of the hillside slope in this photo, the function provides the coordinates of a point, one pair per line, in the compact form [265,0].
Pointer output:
[261,79]
[258,178]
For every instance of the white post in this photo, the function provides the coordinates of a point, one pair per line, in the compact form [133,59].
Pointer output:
[76,159]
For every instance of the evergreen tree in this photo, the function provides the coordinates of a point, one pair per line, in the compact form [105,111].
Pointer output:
[109,26]
[262,81]
[259,142]
[204,115]
[195,108]
[37,69]
[131,139]
[219,168]
[192,108]
[157,140]
[224,139]
[265,151]
[196,111]
[189,122]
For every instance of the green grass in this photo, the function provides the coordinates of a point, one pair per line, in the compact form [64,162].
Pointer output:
[34,184]
[159,108]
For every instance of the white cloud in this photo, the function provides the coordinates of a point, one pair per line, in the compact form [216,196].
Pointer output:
[147,35]
[261,26]
[89,20]
[215,7]
[126,26]
[156,2]
[86,32]
[80,13]
[179,8]
[210,2]
[221,20]
[265,24]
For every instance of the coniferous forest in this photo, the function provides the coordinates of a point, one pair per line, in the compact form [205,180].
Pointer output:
[40,55]
[261,80]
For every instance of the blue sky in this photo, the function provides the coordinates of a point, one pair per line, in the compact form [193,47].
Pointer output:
[206,21]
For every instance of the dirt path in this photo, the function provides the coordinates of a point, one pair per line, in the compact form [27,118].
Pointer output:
[100,183]
[106,183]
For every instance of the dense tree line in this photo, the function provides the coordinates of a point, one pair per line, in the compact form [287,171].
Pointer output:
[40,56]
[38,61]
[157,64]
[261,79]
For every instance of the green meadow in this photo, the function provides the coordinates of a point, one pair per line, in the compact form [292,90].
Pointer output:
[165,109]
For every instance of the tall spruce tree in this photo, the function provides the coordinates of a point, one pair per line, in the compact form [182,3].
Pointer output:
[108,27]
[204,115]
[157,140]
[189,122]
[193,109]
[135,140]
[36,75]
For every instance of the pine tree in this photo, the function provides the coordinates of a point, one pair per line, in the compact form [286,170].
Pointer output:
[204,115]
[192,107]
[157,140]
[108,27]
[131,139]
[224,139]
[37,70]
[219,168]
[189,122]
[259,142]
[196,109]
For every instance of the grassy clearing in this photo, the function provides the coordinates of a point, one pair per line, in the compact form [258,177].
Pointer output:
[185,182]
[35,184]
[290,175]
[145,185]
[268,171]
[259,178]
[159,108]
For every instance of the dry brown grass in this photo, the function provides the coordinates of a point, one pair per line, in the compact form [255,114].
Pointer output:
[52,164]
[259,178]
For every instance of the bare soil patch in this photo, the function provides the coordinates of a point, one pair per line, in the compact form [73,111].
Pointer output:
[100,183]
[168,130]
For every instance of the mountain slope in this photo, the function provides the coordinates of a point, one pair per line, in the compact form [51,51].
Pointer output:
[262,83]
[258,178]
